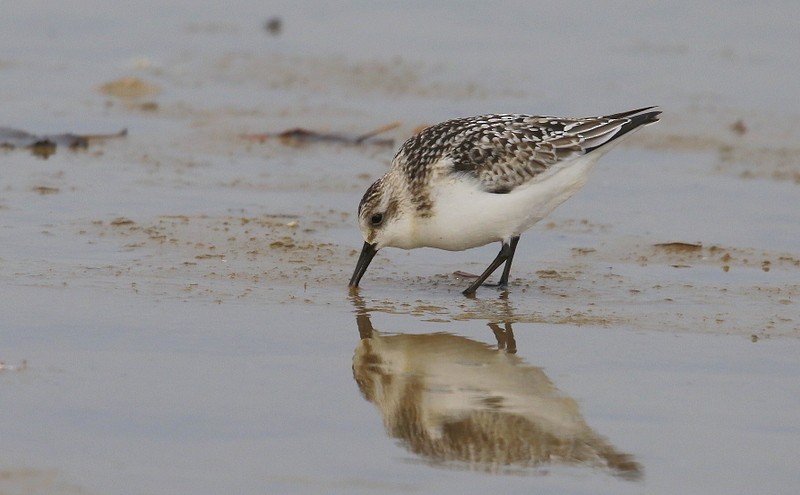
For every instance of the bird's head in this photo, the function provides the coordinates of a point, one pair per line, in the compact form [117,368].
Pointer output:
[384,221]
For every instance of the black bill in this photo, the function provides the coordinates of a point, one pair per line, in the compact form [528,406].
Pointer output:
[367,253]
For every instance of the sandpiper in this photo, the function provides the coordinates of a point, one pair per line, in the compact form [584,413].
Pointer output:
[467,182]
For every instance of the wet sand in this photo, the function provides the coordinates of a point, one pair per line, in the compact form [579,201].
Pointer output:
[176,312]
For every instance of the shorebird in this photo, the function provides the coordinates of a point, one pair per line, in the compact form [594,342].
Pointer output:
[467,182]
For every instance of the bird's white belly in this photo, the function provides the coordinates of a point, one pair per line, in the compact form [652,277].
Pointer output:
[464,216]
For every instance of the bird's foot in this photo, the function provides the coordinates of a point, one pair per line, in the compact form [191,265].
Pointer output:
[498,285]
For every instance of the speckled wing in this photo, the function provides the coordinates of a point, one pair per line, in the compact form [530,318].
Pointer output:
[506,151]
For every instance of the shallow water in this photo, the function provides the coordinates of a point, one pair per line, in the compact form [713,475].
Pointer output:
[175,312]
[153,396]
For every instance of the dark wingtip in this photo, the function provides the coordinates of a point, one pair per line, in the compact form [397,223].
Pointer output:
[636,118]
[639,112]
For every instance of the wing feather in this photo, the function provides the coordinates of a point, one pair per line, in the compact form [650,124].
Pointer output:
[505,151]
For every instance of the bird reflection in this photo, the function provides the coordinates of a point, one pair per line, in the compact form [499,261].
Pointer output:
[464,404]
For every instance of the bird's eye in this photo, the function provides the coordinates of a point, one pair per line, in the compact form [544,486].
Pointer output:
[376,219]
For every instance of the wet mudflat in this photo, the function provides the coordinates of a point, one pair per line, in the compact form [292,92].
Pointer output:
[176,317]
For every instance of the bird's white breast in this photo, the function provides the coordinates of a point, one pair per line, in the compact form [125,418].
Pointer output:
[464,216]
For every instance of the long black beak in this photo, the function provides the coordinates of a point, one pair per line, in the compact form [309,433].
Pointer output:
[367,253]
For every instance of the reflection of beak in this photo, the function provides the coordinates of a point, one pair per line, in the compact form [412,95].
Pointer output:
[367,253]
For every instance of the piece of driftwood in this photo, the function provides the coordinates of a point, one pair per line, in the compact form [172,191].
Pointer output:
[300,136]
[45,145]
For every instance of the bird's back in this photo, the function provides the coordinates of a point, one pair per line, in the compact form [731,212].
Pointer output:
[505,151]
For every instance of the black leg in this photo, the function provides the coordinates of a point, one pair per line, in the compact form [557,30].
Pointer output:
[505,254]
[507,268]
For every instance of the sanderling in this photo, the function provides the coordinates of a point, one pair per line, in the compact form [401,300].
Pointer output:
[467,182]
